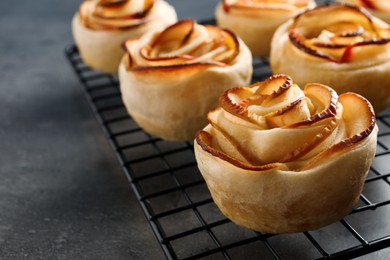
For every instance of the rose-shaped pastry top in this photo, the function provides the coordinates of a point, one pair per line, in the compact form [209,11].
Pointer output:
[264,7]
[114,14]
[183,44]
[341,34]
[338,45]
[275,124]
[379,8]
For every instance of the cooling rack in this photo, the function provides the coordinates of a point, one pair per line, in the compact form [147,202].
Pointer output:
[178,205]
[179,208]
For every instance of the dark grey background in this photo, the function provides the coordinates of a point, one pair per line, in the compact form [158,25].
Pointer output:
[62,192]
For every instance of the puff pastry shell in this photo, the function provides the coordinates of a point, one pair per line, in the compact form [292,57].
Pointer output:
[170,78]
[280,159]
[100,27]
[341,46]
[255,21]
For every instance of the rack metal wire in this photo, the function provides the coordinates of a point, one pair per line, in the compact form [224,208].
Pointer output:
[179,208]
[175,199]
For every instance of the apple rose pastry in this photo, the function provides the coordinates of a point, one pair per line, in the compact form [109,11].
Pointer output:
[341,46]
[378,8]
[101,26]
[170,78]
[279,159]
[255,21]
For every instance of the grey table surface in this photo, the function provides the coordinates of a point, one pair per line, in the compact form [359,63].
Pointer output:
[62,192]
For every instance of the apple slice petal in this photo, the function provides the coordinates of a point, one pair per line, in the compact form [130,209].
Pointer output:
[357,128]
[338,33]
[320,137]
[327,125]
[184,44]
[174,36]
[297,110]
[274,111]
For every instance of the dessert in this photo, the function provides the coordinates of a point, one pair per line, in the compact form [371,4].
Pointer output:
[342,46]
[378,8]
[170,78]
[256,20]
[101,26]
[280,159]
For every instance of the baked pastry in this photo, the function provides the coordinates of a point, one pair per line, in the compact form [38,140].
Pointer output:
[170,78]
[378,8]
[342,46]
[279,159]
[101,26]
[255,21]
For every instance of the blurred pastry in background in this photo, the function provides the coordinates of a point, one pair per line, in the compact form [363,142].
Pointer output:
[100,27]
[342,46]
[255,21]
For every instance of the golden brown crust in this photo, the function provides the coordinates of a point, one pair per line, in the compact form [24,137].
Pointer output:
[306,185]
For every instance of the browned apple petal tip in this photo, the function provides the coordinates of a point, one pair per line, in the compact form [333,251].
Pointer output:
[204,140]
[238,109]
[368,113]
[358,31]
[248,97]
[282,82]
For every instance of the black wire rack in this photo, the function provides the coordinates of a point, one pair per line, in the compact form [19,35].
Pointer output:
[179,208]
[175,199]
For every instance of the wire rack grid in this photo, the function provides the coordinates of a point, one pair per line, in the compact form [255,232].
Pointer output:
[181,212]
[179,208]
